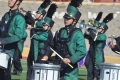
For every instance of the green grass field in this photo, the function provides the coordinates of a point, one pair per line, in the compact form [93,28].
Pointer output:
[82,73]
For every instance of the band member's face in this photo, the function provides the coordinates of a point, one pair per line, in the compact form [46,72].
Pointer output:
[12,2]
[68,21]
[100,30]
[39,16]
[95,26]
[45,27]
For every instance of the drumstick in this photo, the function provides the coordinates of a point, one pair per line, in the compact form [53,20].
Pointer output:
[32,36]
[60,57]
[112,39]
[95,38]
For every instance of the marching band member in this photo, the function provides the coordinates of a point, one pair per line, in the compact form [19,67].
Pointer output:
[33,53]
[17,67]
[100,44]
[12,31]
[18,55]
[89,58]
[44,45]
[71,48]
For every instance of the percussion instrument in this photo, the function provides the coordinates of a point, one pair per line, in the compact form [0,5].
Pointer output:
[46,72]
[4,58]
[110,71]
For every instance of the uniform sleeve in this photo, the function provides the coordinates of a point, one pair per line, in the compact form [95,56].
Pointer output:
[49,44]
[118,40]
[41,37]
[86,36]
[0,23]
[19,31]
[25,35]
[101,37]
[55,41]
[117,48]
[48,51]
[80,49]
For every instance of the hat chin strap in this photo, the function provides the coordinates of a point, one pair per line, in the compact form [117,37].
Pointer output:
[14,4]
[38,18]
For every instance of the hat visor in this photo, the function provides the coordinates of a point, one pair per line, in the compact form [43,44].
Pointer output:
[38,12]
[45,24]
[67,16]
[100,27]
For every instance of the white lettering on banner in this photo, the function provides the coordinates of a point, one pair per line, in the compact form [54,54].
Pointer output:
[58,15]
[117,13]
[92,16]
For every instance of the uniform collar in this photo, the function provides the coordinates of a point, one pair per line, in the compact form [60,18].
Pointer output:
[39,24]
[45,30]
[69,28]
[11,12]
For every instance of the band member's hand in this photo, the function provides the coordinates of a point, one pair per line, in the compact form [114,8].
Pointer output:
[32,32]
[0,42]
[66,60]
[29,27]
[112,45]
[45,58]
